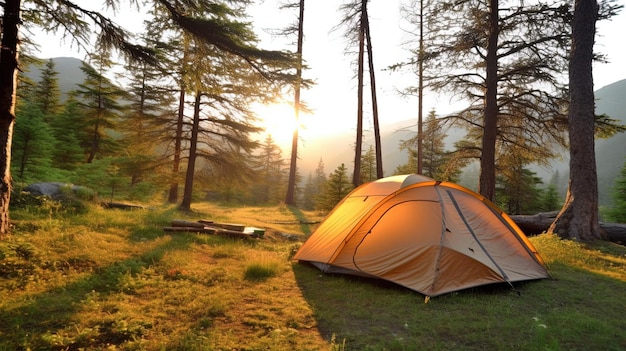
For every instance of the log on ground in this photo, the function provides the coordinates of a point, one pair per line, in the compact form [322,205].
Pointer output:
[540,222]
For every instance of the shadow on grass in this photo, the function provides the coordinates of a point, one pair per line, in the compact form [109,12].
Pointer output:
[23,327]
[305,224]
[579,310]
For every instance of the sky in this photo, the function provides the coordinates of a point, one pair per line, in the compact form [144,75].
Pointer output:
[333,97]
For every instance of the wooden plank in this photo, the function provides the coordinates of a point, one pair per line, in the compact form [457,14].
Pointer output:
[254,232]
[227,226]
[232,233]
[182,223]
[204,230]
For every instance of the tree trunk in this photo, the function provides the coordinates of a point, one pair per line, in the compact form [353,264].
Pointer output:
[191,164]
[578,219]
[8,84]
[487,182]
[291,186]
[173,193]
[370,60]
[356,175]
[420,93]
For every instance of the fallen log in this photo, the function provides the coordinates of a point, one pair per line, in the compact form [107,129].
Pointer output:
[540,222]
[183,223]
[228,226]
[189,229]
[121,205]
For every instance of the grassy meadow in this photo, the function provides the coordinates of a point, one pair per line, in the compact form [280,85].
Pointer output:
[111,279]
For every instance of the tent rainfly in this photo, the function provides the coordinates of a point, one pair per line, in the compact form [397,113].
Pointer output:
[429,236]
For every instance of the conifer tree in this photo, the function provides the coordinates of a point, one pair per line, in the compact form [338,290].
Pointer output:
[368,165]
[503,74]
[306,201]
[146,125]
[517,190]
[67,153]
[437,163]
[270,184]
[356,22]
[579,216]
[337,187]
[223,32]
[617,212]
[32,144]
[99,100]
[47,93]
[550,199]
[319,184]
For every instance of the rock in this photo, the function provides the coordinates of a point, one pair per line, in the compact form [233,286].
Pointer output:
[54,190]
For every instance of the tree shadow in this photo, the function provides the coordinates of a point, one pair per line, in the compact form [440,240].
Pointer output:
[305,224]
[56,308]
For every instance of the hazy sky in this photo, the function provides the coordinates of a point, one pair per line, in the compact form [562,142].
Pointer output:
[334,96]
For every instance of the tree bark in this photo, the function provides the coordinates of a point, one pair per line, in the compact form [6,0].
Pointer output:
[8,82]
[173,193]
[178,138]
[487,181]
[420,93]
[291,185]
[370,60]
[578,219]
[191,164]
[356,175]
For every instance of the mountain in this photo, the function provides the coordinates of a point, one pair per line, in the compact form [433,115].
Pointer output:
[69,70]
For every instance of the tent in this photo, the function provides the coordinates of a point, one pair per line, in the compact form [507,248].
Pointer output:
[430,236]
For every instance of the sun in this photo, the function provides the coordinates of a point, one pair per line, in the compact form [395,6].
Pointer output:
[279,121]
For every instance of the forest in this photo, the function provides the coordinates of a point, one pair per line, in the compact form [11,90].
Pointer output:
[183,129]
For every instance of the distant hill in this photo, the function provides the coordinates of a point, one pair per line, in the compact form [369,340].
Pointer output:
[69,70]
[337,148]
[611,153]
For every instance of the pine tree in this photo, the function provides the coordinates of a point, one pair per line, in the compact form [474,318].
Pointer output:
[219,28]
[306,200]
[437,163]
[67,153]
[319,184]
[337,187]
[47,94]
[550,199]
[100,101]
[579,217]
[270,186]
[356,22]
[617,212]
[32,144]
[368,165]
[298,106]
[480,55]
[146,125]
[518,192]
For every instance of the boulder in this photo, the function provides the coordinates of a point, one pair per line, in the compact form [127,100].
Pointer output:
[54,190]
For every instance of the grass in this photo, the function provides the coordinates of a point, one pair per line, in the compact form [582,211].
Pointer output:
[112,279]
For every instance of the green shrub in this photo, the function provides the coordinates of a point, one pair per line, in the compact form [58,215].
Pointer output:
[69,203]
[261,271]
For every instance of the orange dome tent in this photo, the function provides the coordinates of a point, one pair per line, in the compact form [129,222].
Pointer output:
[430,236]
